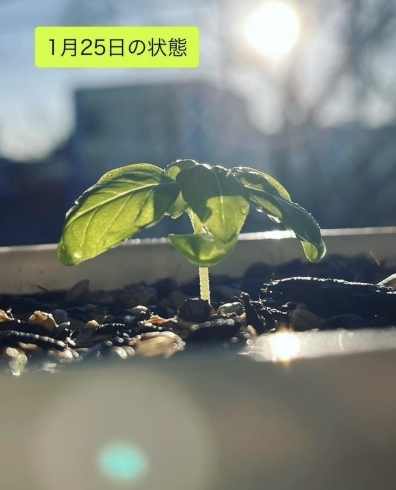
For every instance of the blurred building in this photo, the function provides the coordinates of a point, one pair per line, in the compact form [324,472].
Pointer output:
[121,125]
[33,199]
[159,124]
[344,175]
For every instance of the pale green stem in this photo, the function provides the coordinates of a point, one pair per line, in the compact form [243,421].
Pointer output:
[203,271]
[204,283]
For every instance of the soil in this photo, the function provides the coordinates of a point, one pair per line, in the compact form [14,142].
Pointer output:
[49,330]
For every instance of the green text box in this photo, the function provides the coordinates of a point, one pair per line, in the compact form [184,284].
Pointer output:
[117,47]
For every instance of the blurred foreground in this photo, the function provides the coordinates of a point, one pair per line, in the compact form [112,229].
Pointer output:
[204,424]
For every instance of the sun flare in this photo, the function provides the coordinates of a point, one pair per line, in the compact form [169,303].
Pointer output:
[273,29]
[284,346]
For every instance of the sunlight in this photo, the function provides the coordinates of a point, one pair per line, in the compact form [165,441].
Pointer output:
[284,346]
[273,29]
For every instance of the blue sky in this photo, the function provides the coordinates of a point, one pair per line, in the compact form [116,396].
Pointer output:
[36,105]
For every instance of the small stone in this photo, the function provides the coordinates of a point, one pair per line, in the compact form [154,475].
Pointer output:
[228,308]
[154,344]
[195,310]
[4,317]
[251,332]
[301,320]
[120,352]
[44,319]
[139,310]
[60,316]
[92,324]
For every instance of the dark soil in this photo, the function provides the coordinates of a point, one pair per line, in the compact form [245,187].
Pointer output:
[52,329]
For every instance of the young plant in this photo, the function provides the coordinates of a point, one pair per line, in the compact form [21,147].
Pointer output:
[131,198]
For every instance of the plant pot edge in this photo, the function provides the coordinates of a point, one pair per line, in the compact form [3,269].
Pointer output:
[26,269]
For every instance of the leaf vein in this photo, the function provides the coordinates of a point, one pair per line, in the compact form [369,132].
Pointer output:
[118,196]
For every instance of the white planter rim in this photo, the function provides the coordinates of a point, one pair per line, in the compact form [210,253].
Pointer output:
[26,269]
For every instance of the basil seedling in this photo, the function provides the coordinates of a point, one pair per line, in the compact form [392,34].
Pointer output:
[131,198]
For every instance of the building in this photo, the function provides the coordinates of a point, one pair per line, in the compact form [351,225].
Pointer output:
[344,175]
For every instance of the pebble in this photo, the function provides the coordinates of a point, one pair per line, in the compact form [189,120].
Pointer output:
[228,308]
[60,316]
[4,317]
[44,319]
[91,324]
[195,310]
[301,320]
[154,344]
[140,310]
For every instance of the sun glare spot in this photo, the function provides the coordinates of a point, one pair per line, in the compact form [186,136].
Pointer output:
[284,346]
[273,29]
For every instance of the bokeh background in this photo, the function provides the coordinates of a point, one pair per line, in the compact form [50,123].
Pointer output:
[303,90]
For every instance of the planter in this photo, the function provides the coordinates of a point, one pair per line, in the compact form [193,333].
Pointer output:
[24,268]
[324,421]
[32,269]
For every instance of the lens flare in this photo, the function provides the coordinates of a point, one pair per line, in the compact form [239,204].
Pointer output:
[122,462]
[284,346]
[273,29]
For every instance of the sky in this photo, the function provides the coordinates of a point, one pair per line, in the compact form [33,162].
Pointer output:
[36,105]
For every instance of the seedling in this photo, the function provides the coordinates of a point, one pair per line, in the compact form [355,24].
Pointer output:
[131,198]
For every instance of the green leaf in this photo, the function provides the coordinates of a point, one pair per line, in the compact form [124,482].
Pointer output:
[202,249]
[179,206]
[261,181]
[216,197]
[270,198]
[314,253]
[122,203]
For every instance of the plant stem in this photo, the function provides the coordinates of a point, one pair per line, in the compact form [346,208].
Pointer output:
[203,271]
[204,283]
